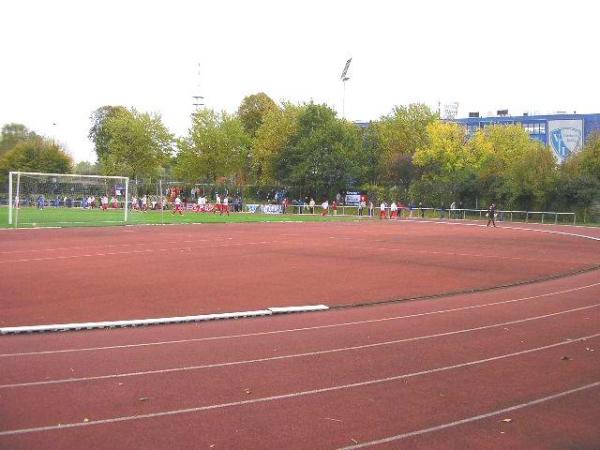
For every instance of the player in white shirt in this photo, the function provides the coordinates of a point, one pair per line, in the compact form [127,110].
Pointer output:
[218,203]
[225,206]
[325,206]
[393,211]
[382,211]
[144,203]
[104,202]
[178,206]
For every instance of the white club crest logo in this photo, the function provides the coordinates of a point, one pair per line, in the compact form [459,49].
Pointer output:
[565,140]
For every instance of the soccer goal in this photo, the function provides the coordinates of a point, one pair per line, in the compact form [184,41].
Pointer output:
[59,200]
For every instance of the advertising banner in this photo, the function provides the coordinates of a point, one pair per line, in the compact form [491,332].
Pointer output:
[565,137]
[352,198]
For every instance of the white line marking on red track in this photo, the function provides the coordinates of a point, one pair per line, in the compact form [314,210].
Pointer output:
[296,355]
[174,248]
[293,394]
[473,418]
[508,227]
[295,330]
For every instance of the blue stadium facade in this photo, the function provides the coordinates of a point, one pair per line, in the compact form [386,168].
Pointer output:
[563,133]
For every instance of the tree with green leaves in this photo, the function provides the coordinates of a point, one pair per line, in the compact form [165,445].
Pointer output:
[323,156]
[253,110]
[87,168]
[515,170]
[446,163]
[36,155]
[579,184]
[399,135]
[98,133]
[138,144]
[277,128]
[371,155]
[12,134]
[216,147]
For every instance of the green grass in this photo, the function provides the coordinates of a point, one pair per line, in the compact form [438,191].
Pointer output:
[77,217]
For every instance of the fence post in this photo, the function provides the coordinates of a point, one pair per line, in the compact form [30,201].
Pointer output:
[527,217]
[10,198]
[555,218]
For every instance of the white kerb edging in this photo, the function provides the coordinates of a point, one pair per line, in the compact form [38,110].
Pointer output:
[159,321]
[290,309]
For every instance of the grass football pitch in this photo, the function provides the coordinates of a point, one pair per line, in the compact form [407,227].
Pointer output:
[76,217]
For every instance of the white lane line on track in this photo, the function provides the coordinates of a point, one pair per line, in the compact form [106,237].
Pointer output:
[293,394]
[295,330]
[508,227]
[292,356]
[564,233]
[174,248]
[473,418]
[103,247]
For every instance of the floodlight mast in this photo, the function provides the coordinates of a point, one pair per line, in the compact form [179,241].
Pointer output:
[345,78]
[198,103]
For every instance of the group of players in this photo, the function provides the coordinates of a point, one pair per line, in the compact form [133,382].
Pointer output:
[221,205]
[394,209]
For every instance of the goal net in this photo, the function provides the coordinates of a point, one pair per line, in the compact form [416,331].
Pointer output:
[50,199]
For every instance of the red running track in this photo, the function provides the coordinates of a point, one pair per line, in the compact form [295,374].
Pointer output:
[511,368]
[88,275]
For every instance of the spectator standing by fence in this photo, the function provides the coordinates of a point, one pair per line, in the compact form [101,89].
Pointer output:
[492,215]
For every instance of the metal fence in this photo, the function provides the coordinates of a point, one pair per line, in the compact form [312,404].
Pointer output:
[552,217]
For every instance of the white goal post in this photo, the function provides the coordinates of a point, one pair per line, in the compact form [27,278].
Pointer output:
[29,193]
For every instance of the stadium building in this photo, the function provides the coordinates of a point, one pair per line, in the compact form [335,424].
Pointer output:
[564,133]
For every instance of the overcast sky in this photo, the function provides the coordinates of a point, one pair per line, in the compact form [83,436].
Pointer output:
[63,59]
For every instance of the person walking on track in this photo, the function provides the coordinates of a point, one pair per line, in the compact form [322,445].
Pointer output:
[492,215]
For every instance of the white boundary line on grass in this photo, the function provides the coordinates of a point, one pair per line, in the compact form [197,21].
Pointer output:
[334,388]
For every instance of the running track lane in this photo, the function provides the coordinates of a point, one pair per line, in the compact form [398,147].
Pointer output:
[274,266]
[455,299]
[300,373]
[215,350]
[531,294]
[258,439]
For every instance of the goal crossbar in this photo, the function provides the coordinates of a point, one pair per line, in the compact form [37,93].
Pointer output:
[69,175]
